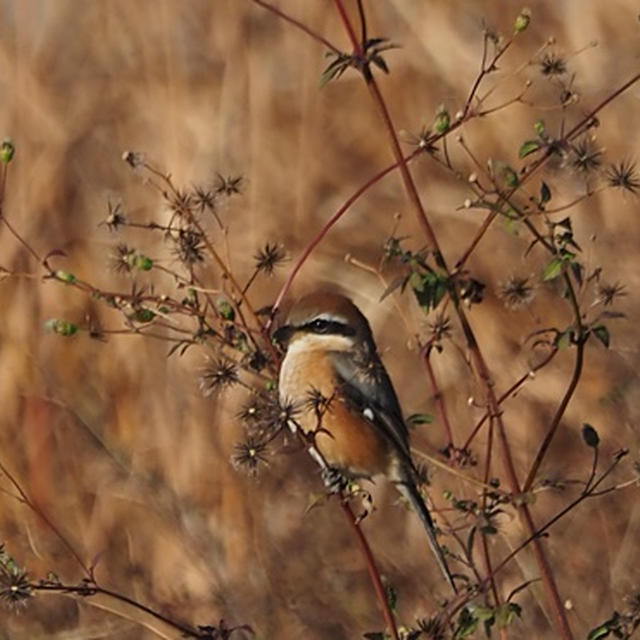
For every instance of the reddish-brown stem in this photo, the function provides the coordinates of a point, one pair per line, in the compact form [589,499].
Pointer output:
[438,398]
[481,368]
[555,422]
[539,163]
[296,23]
[374,574]
[507,394]
[484,70]
[485,545]
[330,223]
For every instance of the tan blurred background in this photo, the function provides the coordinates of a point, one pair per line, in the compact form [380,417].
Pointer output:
[114,440]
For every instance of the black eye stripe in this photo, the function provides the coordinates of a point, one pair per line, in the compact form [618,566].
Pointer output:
[329,327]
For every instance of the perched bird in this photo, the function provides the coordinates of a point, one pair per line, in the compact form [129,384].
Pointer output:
[333,377]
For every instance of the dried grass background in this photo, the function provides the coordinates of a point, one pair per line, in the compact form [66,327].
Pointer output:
[114,440]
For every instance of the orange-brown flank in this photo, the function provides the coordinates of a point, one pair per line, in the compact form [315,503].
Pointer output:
[346,440]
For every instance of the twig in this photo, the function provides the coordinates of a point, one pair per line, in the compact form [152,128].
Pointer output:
[374,574]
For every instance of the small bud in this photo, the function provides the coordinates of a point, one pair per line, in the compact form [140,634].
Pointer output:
[65,276]
[442,121]
[225,309]
[467,204]
[539,127]
[459,115]
[143,315]
[590,436]
[473,178]
[522,21]
[142,263]
[7,151]
[61,327]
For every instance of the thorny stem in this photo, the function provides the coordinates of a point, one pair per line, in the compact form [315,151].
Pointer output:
[481,368]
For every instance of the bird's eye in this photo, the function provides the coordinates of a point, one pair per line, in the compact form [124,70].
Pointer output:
[321,326]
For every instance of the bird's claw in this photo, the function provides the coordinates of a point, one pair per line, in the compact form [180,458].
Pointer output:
[333,480]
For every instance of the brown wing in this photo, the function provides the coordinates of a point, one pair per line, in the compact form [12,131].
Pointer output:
[367,386]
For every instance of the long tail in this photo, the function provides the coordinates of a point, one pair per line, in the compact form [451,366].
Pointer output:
[411,493]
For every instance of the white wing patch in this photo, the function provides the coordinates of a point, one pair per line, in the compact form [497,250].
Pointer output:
[368,413]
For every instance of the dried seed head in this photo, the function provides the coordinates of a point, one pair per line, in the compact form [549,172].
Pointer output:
[219,373]
[250,456]
[623,176]
[516,292]
[552,65]
[269,257]
[15,588]
[229,186]
[608,293]
[189,246]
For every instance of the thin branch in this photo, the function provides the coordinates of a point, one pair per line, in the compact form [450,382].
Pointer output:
[24,497]
[299,25]
[374,574]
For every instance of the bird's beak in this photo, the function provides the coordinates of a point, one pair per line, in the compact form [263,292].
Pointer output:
[283,334]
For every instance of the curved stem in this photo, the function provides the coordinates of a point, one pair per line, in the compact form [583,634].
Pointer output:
[296,23]
[374,574]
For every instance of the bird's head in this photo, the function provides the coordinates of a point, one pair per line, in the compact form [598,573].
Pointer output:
[324,321]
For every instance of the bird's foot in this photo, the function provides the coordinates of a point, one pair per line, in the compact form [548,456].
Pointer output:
[334,480]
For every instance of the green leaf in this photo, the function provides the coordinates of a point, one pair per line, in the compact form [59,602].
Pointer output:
[467,624]
[539,127]
[442,121]
[143,315]
[590,436]
[602,333]
[528,147]
[563,339]
[429,288]
[420,418]
[505,614]
[599,632]
[392,595]
[61,327]
[65,276]
[553,269]
[7,151]
[482,614]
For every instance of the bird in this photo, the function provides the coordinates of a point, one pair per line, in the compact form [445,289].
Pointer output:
[340,393]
